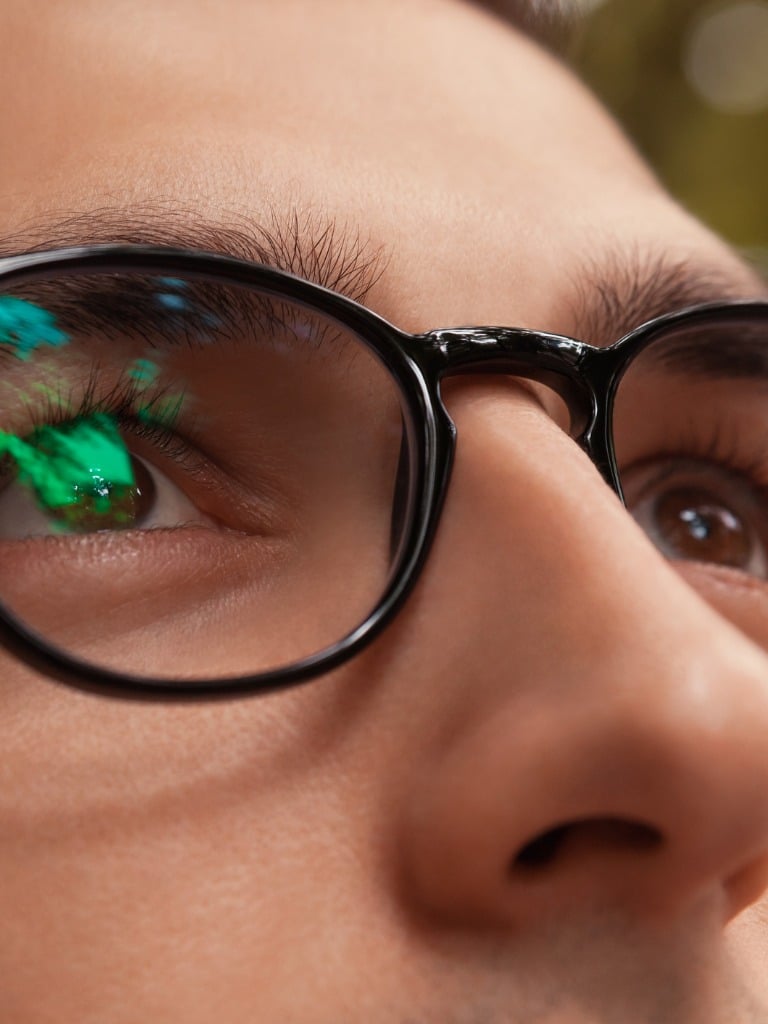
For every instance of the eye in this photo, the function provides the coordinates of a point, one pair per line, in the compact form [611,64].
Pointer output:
[701,512]
[80,478]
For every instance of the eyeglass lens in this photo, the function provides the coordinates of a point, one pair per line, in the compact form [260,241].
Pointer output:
[196,479]
[200,480]
[690,429]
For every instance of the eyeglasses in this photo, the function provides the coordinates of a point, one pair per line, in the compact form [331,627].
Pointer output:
[216,477]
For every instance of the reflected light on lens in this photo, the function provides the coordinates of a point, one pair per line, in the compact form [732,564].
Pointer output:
[725,57]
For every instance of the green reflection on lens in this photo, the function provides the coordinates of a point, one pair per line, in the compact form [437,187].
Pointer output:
[80,471]
[162,410]
[143,371]
[24,327]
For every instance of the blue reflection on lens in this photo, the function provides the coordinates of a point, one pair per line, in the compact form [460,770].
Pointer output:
[25,326]
[173,302]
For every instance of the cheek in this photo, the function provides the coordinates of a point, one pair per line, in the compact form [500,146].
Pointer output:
[142,834]
[77,765]
[747,940]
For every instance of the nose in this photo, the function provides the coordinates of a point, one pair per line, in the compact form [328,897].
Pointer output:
[601,733]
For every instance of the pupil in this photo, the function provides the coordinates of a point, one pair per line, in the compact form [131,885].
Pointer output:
[107,506]
[695,525]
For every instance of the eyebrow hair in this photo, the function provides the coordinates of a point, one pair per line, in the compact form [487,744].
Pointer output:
[616,294]
[305,243]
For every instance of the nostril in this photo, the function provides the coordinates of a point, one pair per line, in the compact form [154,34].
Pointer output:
[543,849]
[598,834]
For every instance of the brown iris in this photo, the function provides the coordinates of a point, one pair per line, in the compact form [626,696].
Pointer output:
[696,525]
[109,507]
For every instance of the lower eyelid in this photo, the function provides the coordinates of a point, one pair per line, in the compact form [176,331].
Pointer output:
[738,597]
[200,566]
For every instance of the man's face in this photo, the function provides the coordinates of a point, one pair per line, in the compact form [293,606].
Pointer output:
[350,850]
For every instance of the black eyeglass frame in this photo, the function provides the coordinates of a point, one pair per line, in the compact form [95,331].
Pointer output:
[585,377]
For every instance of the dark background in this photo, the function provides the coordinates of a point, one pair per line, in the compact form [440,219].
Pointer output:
[689,81]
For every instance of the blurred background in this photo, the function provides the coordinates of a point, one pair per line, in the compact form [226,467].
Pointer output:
[689,81]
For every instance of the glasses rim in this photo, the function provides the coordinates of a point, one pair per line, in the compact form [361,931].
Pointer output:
[584,376]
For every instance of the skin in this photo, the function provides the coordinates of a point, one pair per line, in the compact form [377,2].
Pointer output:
[345,851]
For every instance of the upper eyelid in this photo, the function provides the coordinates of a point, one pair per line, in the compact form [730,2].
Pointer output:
[128,306]
[700,353]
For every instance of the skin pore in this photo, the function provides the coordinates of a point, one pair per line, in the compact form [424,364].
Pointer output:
[349,850]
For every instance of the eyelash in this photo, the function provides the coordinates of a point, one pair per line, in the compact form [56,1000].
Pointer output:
[123,403]
[731,451]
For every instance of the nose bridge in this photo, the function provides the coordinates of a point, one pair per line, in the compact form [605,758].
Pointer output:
[553,360]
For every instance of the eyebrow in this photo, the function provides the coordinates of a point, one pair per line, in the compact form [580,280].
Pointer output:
[613,294]
[305,243]
[627,288]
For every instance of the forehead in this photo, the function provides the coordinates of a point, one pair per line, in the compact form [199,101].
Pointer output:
[423,124]
[383,83]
